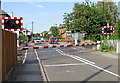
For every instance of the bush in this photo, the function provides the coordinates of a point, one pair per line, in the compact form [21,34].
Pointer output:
[104,48]
[23,37]
[107,48]
[47,36]
[112,49]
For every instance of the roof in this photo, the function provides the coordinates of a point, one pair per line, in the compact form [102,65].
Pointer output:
[61,26]
[2,12]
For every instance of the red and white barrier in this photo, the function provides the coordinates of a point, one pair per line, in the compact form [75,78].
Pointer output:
[54,46]
[37,41]
[46,41]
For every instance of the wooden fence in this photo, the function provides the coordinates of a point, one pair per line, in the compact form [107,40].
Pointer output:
[8,55]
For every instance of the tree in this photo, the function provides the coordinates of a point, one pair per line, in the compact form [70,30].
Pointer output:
[117,31]
[37,35]
[109,10]
[83,19]
[54,30]
[89,17]
[23,37]
[47,36]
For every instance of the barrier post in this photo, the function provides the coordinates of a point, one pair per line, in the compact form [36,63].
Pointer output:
[118,47]
[76,42]
[98,45]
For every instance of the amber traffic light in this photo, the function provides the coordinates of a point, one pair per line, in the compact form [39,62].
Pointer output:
[12,24]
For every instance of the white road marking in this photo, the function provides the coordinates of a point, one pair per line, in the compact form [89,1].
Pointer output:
[25,56]
[61,52]
[37,55]
[74,48]
[83,49]
[78,58]
[87,62]
[45,77]
[69,71]
[84,59]
[64,65]
[58,51]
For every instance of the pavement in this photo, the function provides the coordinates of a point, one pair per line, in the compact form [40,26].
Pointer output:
[28,71]
[107,54]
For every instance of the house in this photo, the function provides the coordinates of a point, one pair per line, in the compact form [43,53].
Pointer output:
[62,30]
[43,33]
[26,32]
[3,14]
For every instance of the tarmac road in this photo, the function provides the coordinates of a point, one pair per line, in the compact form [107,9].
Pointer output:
[74,64]
[77,64]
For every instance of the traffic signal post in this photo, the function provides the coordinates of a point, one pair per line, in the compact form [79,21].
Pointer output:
[13,24]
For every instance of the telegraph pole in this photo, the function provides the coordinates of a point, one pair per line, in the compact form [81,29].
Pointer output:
[11,14]
[32,31]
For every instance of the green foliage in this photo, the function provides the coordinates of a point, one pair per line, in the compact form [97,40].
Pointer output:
[55,32]
[89,18]
[23,37]
[104,48]
[59,37]
[37,35]
[117,31]
[107,48]
[47,36]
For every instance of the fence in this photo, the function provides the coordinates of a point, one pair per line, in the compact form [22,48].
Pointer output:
[114,43]
[111,42]
[8,53]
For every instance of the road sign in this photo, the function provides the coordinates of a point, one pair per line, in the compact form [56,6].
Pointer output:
[108,30]
[69,33]
[9,23]
[79,36]
[26,32]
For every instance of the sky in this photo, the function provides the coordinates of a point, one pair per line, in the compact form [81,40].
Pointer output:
[43,14]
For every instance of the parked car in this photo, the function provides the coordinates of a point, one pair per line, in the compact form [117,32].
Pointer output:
[37,40]
[53,40]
